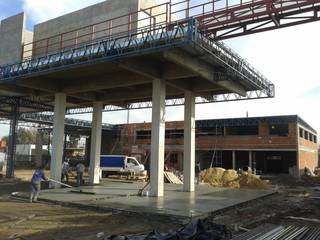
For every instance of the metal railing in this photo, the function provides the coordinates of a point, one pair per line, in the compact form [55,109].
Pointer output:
[163,26]
[212,15]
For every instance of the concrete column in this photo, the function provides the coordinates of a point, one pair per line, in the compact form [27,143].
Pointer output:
[250,159]
[234,160]
[189,142]
[157,138]
[95,151]
[58,137]
[39,143]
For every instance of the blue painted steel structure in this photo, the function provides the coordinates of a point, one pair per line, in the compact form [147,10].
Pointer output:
[139,43]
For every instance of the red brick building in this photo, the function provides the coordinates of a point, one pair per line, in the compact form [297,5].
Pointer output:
[278,144]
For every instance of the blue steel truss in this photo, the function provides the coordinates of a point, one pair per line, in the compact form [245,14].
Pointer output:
[138,43]
[47,119]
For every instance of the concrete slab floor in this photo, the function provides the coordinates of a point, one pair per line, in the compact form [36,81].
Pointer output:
[123,196]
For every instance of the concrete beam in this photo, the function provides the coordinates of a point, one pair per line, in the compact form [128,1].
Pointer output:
[147,69]
[114,80]
[180,84]
[158,138]
[19,90]
[96,133]
[58,137]
[39,84]
[172,71]
[189,142]
[202,68]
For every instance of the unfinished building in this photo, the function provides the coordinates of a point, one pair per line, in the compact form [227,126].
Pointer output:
[271,145]
[124,53]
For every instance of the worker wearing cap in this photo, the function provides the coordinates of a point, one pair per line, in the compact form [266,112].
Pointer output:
[80,170]
[35,187]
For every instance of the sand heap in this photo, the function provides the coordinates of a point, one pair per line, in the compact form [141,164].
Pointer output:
[249,180]
[212,176]
[219,177]
[230,179]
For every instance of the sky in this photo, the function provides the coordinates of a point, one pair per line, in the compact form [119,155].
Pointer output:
[288,57]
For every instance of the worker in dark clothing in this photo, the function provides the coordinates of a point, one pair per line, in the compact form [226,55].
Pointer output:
[65,171]
[80,170]
[35,187]
[197,171]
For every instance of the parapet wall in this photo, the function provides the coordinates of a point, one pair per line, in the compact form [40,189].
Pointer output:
[13,35]
[86,25]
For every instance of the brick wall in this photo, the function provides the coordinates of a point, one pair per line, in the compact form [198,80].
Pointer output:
[261,141]
[308,154]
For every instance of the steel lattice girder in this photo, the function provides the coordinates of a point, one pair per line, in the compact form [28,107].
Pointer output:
[258,16]
[25,103]
[149,41]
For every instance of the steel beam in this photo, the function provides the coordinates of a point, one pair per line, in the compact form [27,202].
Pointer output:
[12,140]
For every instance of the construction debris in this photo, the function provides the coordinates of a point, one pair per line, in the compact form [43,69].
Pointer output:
[304,219]
[219,177]
[270,231]
[198,229]
[172,178]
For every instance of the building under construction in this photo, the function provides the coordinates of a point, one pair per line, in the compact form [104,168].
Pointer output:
[133,54]
[270,145]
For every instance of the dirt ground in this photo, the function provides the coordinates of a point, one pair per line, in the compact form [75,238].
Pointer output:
[26,221]
[294,199]
[20,220]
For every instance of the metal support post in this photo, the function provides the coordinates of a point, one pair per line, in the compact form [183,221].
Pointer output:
[12,140]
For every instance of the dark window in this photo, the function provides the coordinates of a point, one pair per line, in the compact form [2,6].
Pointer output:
[213,131]
[315,140]
[301,132]
[174,133]
[242,130]
[279,129]
[306,135]
[143,134]
[311,137]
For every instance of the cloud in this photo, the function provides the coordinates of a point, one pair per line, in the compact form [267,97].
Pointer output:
[288,57]
[40,10]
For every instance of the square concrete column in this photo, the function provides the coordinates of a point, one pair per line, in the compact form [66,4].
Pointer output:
[95,151]
[157,138]
[250,159]
[189,142]
[58,137]
[234,160]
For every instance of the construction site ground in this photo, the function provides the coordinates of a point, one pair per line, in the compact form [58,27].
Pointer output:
[22,220]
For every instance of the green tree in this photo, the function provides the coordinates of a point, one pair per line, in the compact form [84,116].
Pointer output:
[24,136]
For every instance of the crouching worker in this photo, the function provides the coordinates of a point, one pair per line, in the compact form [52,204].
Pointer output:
[35,187]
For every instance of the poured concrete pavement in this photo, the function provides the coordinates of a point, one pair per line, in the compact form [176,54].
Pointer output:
[123,196]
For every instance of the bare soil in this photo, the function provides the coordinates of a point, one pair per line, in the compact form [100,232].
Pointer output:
[36,221]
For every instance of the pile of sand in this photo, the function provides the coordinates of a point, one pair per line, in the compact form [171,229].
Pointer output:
[213,176]
[230,179]
[249,180]
[219,177]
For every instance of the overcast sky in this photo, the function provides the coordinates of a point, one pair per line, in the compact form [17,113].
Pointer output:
[288,57]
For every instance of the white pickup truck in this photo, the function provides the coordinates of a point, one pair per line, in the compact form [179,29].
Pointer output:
[120,164]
